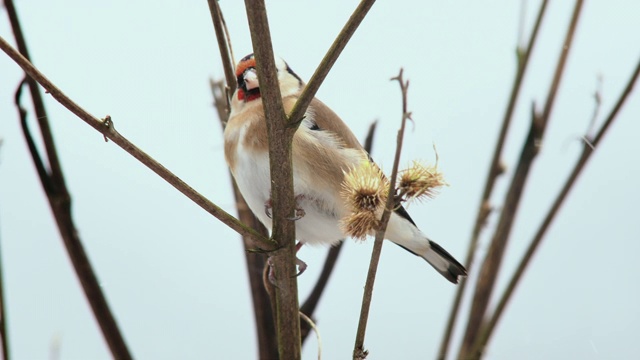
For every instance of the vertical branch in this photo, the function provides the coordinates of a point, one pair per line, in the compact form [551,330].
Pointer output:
[4,337]
[262,310]
[265,326]
[223,45]
[359,351]
[492,262]
[495,170]
[587,151]
[280,136]
[59,198]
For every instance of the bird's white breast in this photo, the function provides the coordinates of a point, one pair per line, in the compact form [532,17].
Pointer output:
[319,225]
[253,178]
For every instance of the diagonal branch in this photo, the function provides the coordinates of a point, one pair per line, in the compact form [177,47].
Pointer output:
[60,203]
[491,265]
[587,151]
[495,170]
[359,351]
[295,116]
[106,128]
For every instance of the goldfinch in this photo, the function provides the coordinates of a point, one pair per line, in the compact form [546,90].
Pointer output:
[323,150]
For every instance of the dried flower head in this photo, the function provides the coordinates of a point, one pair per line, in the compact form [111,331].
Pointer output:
[360,224]
[365,188]
[364,191]
[420,182]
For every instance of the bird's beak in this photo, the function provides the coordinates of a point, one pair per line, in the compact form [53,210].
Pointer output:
[250,79]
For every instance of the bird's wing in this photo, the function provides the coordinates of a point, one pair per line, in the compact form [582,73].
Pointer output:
[326,119]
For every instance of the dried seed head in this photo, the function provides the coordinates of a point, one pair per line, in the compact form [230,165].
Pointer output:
[365,188]
[359,224]
[364,191]
[420,182]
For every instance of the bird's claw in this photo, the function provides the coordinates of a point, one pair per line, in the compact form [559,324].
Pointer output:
[271,274]
[299,211]
[302,266]
[267,208]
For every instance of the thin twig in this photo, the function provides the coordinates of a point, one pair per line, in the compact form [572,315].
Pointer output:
[597,97]
[41,170]
[265,324]
[4,337]
[359,351]
[309,92]
[309,306]
[587,151]
[491,265]
[312,325]
[224,45]
[105,127]
[280,137]
[495,170]
[36,97]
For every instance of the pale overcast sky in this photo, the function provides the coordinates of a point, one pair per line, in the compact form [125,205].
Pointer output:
[175,276]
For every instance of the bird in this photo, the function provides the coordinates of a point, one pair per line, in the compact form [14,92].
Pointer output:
[323,149]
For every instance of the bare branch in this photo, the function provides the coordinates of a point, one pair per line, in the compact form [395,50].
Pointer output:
[4,337]
[224,45]
[106,128]
[59,199]
[587,151]
[309,92]
[495,170]
[43,175]
[280,137]
[491,265]
[359,351]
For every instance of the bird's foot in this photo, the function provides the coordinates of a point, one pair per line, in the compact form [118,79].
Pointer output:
[268,205]
[302,266]
[272,273]
[299,211]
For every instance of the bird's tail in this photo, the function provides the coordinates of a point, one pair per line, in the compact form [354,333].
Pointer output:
[444,263]
[441,260]
[403,231]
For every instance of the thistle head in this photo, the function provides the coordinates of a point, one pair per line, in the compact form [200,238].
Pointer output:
[420,182]
[360,224]
[364,190]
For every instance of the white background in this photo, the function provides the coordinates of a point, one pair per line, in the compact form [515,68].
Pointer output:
[175,276]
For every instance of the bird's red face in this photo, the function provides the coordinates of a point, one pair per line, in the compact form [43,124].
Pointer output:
[247,77]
